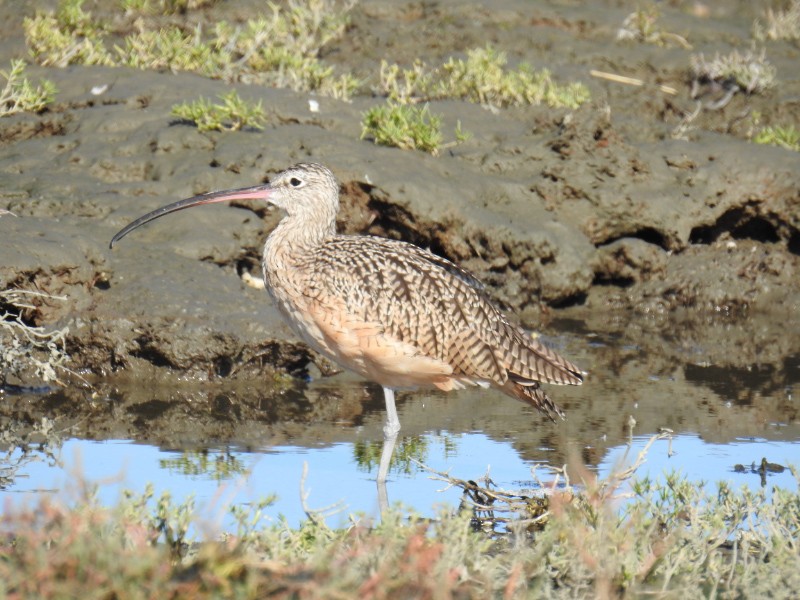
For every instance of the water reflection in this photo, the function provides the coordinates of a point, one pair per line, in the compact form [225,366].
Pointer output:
[251,438]
[205,464]
[334,475]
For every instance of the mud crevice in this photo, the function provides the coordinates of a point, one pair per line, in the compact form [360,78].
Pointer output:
[603,279]
[399,223]
[651,235]
[793,245]
[152,354]
[741,222]
[26,128]
[223,365]
[577,299]
[356,215]
[151,409]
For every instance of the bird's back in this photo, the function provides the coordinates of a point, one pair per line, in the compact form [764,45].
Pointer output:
[400,315]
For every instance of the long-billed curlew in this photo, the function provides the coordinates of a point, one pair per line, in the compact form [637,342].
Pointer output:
[390,311]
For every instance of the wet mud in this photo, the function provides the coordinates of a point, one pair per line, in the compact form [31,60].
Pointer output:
[673,261]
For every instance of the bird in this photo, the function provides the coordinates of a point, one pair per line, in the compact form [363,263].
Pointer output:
[394,313]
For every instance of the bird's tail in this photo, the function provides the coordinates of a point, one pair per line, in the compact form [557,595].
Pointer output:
[535,396]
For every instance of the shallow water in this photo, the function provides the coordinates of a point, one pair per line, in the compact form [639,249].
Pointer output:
[720,417]
[335,479]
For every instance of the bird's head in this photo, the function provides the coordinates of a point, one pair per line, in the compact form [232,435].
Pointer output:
[306,190]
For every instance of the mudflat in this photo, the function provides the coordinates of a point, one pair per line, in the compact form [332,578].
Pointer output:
[624,219]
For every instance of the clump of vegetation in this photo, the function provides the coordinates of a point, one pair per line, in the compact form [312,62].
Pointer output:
[164,7]
[733,73]
[641,26]
[68,36]
[669,538]
[749,72]
[20,95]
[482,78]
[232,114]
[28,352]
[406,86]
[779,24]
[406,126]
[403,126]
[280,48]
[170,49]
[786,137]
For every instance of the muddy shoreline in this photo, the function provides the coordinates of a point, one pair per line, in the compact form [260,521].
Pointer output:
[585,223]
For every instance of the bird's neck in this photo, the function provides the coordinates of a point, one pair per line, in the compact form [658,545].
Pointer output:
[294,238]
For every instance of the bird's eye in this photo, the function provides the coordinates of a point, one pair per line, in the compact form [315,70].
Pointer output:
[295,182]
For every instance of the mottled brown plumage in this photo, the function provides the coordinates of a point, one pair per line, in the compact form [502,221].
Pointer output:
[395,313]
[390,311]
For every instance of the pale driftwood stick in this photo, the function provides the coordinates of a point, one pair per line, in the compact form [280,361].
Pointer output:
[630,81]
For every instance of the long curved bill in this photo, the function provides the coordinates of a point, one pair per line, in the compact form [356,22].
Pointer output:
[258,192]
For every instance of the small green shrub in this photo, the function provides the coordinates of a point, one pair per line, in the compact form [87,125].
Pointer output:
[786,137]
[482,78]
[232,115]
[171,49]
[68,36]
[404,126]
[20,95]
[406,86]
[71,16]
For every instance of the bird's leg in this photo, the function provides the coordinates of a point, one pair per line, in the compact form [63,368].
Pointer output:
[390,430]
[383,471]
[392,425]
[386,457]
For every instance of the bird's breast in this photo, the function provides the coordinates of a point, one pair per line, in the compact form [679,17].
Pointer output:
[289,292]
